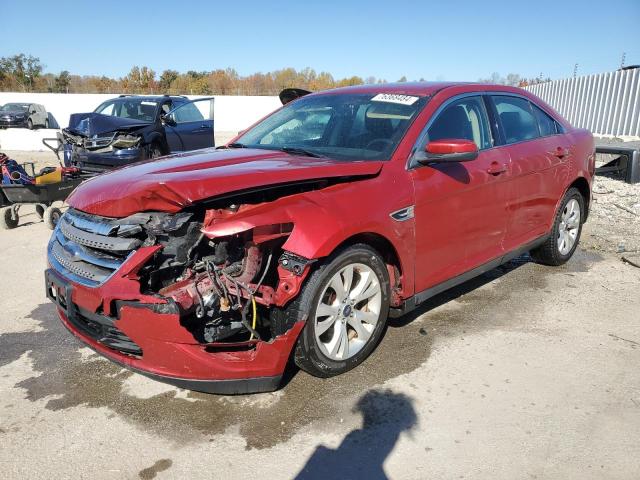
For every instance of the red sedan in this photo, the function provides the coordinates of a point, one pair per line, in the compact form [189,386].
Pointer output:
[297,240]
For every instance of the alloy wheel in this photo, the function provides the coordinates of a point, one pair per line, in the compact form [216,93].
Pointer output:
[569,226]
[348,311]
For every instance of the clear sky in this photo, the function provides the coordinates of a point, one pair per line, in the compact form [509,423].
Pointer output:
[444,40]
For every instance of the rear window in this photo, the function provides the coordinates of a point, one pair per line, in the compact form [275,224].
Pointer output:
[516,118]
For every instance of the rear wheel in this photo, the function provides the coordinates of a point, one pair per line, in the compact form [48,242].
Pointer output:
[30,124]
[565,233]
[7,219]
[346,303]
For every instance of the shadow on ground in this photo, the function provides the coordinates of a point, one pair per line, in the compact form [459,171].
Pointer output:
[63,379]
[385,415]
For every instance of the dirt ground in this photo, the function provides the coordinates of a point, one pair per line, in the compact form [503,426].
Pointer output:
[525,372]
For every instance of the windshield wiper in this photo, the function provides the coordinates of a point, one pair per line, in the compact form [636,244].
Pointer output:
[232,145]
[300,151]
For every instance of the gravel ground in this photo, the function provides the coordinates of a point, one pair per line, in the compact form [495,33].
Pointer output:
[525,372]
[614,220]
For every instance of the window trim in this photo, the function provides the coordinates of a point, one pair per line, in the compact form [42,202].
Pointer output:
[412,163]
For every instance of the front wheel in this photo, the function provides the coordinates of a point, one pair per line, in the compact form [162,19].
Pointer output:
[347,301]
[155,151]
[565,233]
[30,124]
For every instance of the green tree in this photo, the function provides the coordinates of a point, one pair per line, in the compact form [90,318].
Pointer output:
[61,82]
[166,79]
[22,69]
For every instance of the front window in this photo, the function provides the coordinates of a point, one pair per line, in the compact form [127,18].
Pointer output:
[133,108]
[342,126]
[463,119]
[15,107]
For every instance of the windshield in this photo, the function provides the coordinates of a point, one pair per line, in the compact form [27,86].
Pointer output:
[342,126]
[13,107]
[134,108]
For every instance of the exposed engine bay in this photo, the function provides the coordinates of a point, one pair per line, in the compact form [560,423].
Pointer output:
[225,287]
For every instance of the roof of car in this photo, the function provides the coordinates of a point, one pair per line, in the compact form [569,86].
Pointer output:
[416,88]
[152,97]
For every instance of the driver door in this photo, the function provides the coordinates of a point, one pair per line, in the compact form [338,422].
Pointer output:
[460,207]
[190,126]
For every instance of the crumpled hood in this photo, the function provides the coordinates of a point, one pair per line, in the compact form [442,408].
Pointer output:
[173,183]
[89,124]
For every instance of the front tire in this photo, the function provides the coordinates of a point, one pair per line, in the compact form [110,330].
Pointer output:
[30,124]
[347,302]
[155,151]
[565,233]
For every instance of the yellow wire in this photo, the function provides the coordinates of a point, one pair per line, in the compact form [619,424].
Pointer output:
[255,314]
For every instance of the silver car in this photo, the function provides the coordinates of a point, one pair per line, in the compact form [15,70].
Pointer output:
[30,115]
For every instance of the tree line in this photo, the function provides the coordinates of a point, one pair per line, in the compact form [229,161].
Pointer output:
[25,73]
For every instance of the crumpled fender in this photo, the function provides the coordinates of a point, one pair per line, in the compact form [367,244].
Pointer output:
[321,219]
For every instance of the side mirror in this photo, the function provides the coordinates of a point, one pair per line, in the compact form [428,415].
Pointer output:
[448,150]
[168,120]
[33,111]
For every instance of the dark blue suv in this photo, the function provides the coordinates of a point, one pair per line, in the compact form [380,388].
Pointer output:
[130,128]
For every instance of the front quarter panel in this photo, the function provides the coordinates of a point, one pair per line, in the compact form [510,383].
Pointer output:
[324,219]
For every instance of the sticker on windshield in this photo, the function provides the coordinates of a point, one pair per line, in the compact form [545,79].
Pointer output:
[394,98]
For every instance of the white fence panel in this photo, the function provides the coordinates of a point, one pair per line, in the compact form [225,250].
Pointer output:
[608,104]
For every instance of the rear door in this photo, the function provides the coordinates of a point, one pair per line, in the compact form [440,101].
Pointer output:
[460,208]
[190,126]
[535,169]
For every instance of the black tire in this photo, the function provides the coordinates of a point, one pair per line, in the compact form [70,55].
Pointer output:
[51,217]
[7,222]
[307,354]
[155,151]
[40,209]
[30,124]
[549,253]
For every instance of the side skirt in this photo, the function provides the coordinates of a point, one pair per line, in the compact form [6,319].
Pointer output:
[413,302]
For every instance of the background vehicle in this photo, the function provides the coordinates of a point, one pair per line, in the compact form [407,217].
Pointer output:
[29,115]
[129,128]
[210,270]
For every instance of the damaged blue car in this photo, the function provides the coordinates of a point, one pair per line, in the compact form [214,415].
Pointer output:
[129,128]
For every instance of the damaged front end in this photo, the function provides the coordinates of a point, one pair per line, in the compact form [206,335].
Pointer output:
[95,144]
[160,294]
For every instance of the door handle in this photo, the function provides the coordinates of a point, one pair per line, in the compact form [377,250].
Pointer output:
[496,168]
[560,152]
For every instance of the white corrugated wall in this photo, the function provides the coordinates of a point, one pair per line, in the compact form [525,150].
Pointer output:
[607,104]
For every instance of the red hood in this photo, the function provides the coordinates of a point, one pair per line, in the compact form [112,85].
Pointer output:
[173,183]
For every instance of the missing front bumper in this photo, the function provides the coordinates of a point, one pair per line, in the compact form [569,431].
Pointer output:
[165,354]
